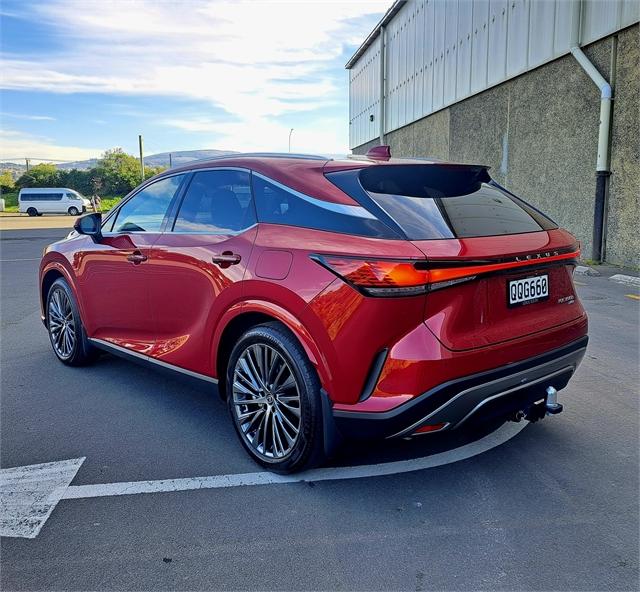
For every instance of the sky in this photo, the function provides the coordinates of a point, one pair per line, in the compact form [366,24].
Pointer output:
[80,76]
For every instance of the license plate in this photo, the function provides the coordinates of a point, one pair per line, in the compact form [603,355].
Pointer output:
[528,290]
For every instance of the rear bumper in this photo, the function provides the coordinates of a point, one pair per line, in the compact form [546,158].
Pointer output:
[499,391]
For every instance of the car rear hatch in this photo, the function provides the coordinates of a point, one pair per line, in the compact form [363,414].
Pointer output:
[513,286]
[498,269]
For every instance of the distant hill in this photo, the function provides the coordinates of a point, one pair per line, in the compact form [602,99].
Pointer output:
[162,159]
[177,158]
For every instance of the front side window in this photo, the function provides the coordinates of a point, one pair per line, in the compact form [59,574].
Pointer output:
[217,202]
[146,210]
[278,204]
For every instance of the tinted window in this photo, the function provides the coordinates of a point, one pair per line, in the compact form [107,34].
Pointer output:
[448,201]
[217,202]
[146,210]
[278,204]
[41,197]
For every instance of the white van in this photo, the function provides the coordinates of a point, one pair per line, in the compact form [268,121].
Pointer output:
[52,200]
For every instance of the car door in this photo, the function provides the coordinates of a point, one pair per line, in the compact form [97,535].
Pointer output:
[197,265]
[113,273]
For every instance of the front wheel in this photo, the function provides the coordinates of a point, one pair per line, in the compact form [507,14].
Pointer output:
[73,211]
[273,394]
[66,332]
[32,212]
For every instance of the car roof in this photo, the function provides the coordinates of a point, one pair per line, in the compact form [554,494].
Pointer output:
[302,172]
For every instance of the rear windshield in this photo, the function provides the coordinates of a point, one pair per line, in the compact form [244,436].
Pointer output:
[441,201]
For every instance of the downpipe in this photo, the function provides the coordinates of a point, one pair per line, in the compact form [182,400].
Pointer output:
[604,132]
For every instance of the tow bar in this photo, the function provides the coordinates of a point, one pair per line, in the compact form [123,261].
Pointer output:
[547,406]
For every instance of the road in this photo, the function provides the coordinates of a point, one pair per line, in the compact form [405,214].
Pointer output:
[11,221]
[555,507]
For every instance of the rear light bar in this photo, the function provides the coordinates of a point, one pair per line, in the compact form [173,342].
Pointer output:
[401,277]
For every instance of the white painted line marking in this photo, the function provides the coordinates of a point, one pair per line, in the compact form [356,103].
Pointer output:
[625,279]
[29,494]
[500,436]
[12,260]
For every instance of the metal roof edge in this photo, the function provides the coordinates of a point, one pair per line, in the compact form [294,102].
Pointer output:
[393,10]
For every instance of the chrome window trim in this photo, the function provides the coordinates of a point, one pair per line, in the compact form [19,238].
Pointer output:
[357,211]
[107,345]
[205,233]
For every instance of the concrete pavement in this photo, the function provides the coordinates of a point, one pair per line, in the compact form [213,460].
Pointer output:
[555,507]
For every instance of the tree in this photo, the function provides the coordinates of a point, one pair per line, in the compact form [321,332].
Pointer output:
[76,179]
[118,171]
[40,175]
[6,182]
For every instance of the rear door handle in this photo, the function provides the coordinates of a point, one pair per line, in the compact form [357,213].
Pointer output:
[225,259]
[136,257]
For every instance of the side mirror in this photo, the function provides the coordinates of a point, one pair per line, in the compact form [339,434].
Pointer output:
[91,225]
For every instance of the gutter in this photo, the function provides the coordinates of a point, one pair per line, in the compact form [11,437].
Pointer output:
[604,131]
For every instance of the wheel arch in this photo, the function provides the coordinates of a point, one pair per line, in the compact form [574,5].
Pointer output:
[50,273]
[254,313]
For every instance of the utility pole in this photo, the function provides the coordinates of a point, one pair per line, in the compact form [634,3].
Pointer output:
[290,132]
[28,163]
[141,157]
[170,162]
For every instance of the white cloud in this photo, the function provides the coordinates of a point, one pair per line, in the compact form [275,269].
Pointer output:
[322,136]
[15,145]
[28,117]
[254,59]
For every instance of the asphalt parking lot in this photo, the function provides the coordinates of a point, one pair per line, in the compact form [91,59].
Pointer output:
[553,508]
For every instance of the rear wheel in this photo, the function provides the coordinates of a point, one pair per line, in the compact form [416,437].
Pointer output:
[273,395]
[66,332]
[32,211]
[73,211]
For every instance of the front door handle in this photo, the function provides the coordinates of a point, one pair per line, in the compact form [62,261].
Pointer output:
[226,259]
[136,257]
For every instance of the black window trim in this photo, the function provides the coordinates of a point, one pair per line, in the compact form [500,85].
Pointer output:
[367,202]
[174,209]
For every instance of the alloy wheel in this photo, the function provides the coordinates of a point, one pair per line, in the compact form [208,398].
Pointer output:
[266,401]
[62,327]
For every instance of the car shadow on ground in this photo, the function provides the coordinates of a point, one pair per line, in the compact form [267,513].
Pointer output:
[200,407]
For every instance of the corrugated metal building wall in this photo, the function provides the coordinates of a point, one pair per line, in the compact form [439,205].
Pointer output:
[438,52]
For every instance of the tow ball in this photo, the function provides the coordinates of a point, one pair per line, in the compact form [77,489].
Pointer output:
[547,406]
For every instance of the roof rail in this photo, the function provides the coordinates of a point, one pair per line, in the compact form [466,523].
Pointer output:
[260,154]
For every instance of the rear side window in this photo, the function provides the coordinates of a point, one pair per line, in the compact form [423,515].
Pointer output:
[217,202]
[41,197]
[279,204]
[447,201]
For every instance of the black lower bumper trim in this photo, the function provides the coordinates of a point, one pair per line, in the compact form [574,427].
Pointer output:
[501,390]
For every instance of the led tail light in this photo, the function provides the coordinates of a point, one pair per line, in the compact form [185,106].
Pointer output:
[388,277]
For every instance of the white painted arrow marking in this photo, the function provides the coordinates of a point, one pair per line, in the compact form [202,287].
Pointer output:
[500,436]
[29,494]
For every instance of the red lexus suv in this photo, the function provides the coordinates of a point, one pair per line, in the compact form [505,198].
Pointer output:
[365,297]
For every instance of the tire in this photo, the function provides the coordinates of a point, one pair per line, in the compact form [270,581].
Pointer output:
[32,212]
[68,339]
[274,443]
[73,211]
